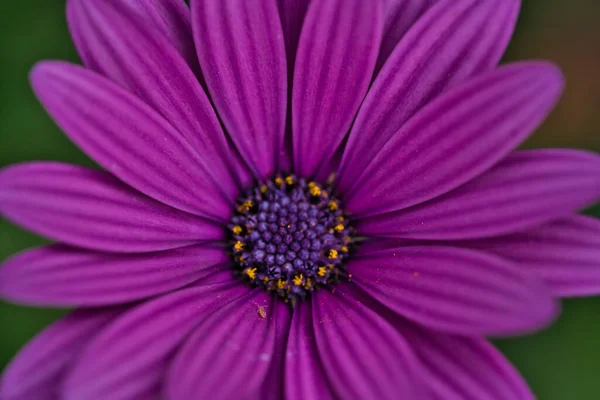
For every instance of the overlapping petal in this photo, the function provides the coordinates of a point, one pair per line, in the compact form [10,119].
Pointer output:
[564,252]
[455,40]
[241,50]
[363,355]
[526,189]
[36,370]
[170,18]
[400,15]
[232,352]
[305,376]
[456,290]
[64,276]
[89,208]
[334,65]
[464,368]
[128,360]
[134,53]
[456,137]
[128,138]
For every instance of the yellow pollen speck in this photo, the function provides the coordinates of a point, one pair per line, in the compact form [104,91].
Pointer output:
[308,283]
[261,311]
[333,205]
[332,254]
[266,279]
[246,206]
[315,190]
[238,246]
[325,194]
[280,284]
[311,184]
[289,180]
[237,229]
[321,271]
[340,219]
[339,227]
[344,249]
[278,181]
[251,272]
[263,189]
[330,267]
[297,280]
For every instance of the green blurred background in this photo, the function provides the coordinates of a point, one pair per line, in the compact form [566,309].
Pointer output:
[560,363]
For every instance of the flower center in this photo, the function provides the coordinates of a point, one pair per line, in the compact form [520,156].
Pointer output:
[290,236]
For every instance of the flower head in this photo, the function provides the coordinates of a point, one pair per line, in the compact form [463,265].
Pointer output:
[302,199]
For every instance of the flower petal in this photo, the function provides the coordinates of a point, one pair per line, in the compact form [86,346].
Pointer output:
[334,65]
[241,50]
[128,138]
[36,370]
[456,290]
[64,276]
[128,359]
[526,189]
[171,18]
[305,376]
[363,355]
[564,252]
[232,352]
[455,40]
[292,14]
[135,55]
[464,368]
[456,137]
[89,208]
[400,16]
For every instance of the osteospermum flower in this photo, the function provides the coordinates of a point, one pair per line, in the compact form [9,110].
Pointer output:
[302,200]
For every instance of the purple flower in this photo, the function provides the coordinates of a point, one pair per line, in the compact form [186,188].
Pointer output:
[301,201]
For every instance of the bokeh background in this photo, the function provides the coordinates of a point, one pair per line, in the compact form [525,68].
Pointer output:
[561,363]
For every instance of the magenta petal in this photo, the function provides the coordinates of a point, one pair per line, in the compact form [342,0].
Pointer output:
[241,50]
[63,276]
[334,65]
[142,60]
[564,252]
[89,208]
[456,137]
[463,368]
[170,18]
[400,15]
[128,138]
[453,41]
[292,13]
[526,189]
[38,368]
[129,358]
[363,355]
[305,376]
[231,353]
[456,290]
